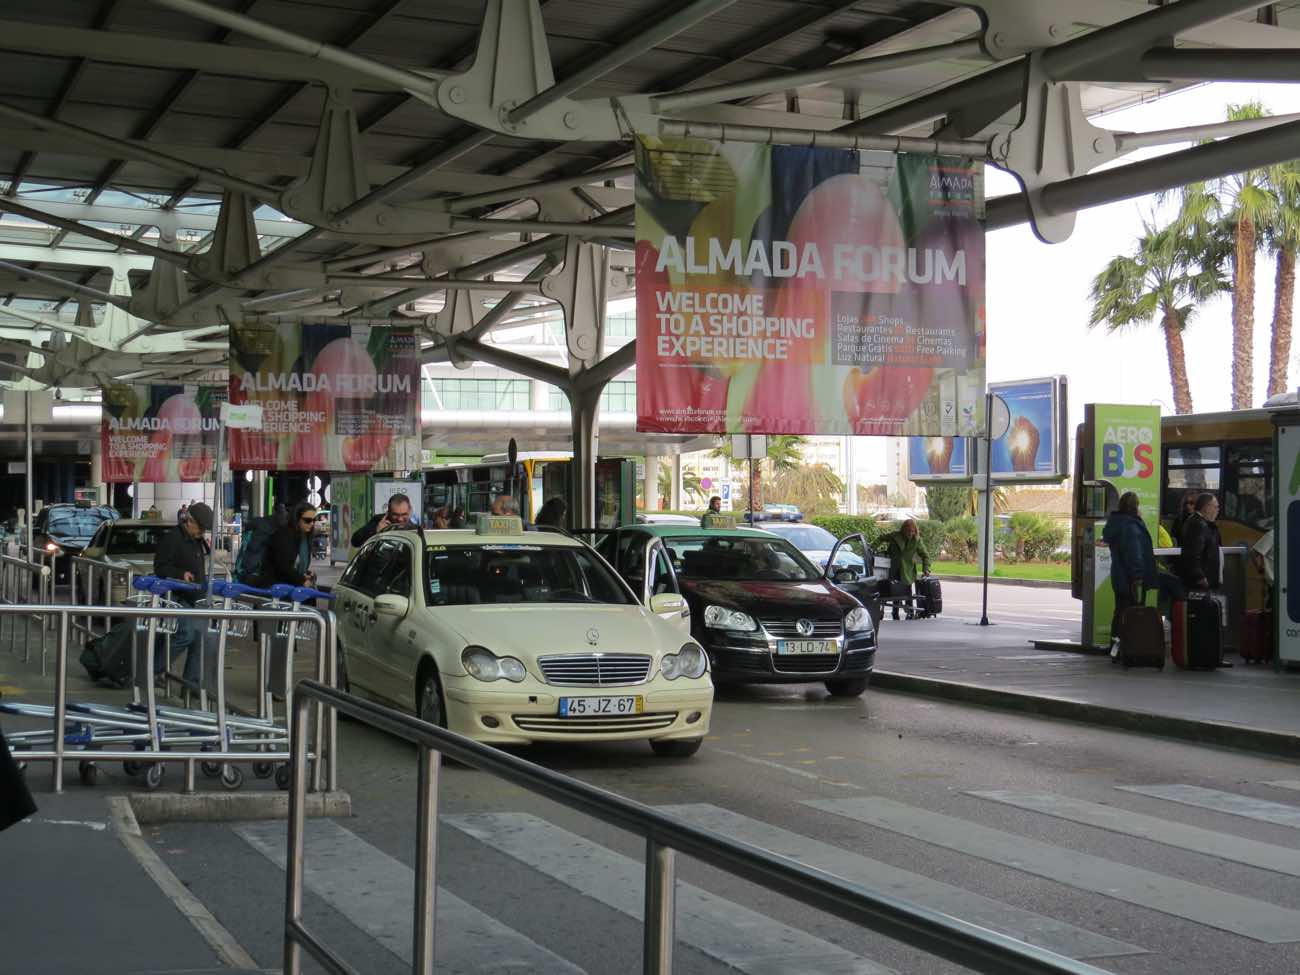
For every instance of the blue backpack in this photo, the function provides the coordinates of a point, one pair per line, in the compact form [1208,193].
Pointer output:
[250,566]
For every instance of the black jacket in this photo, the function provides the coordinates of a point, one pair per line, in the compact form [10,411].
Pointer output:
[281,563]
[1199,561]
[366,531]
[177,554]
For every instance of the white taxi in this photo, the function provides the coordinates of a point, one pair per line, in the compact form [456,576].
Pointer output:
[512,637]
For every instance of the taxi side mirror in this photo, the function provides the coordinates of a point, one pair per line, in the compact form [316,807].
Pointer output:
[667,602]
[391,605]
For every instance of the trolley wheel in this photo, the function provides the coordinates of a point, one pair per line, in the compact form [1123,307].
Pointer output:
[282,777]
[132,767]
[232,777]
[89,772]
[263,770]
[153,776]
[211,769]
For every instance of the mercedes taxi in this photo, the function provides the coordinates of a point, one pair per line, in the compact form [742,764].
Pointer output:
[511,637]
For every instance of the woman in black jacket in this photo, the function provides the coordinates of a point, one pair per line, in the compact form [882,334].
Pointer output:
[1199,565]
[288,556]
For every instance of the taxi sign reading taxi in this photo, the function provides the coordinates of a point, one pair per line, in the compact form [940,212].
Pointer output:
[499,525]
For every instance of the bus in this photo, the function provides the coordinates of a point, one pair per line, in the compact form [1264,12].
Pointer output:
[1229,455]
[536,478]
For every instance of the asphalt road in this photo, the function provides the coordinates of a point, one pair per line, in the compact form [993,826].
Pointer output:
[1139,855]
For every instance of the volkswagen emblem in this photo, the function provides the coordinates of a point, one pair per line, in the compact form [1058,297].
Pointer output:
[593,636]
[804,627]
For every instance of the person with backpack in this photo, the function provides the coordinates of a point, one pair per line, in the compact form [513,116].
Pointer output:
[289,551]
[250,566]
[183,555]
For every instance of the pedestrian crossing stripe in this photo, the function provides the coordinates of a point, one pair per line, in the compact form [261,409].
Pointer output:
[376,893]
[725,931]
[1224,846]
[875,875]
[1245,916]
[1231,803]
[1293,784]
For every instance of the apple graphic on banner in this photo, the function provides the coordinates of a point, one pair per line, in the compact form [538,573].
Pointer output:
[176,413]
[875,402]
[938,454]
[1022,445]
[348,365]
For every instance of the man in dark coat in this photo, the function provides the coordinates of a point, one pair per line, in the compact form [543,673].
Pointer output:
[1200,565]
[183,555]
[1132,560]
[396,515]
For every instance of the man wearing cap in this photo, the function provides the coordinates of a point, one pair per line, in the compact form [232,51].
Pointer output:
[183,554]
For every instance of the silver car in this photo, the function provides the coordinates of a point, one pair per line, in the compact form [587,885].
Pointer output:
[127,544]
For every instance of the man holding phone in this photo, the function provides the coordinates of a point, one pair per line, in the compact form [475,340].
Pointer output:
[397,515]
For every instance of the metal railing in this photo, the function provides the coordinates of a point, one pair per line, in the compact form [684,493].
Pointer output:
[325,773]
[16,590]
[969,945]
[107,574]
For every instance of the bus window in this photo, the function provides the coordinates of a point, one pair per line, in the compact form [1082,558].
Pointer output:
[1189,469]
[1247,479]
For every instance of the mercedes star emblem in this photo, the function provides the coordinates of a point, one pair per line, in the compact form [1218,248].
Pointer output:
[593,636]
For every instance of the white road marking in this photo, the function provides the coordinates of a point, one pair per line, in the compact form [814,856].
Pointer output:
[1245,916]
[95,825]
[1034,929]
[1293,784]
[1225,846]
[801,773]
[734,935]
[377,894]
[1225,802]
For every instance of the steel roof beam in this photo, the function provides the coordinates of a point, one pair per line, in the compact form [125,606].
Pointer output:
[1238,64]
[1255,150]
[94,233]
[1004,85]
[67,286]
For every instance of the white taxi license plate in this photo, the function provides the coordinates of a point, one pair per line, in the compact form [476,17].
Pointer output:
[806,646]
[596,707]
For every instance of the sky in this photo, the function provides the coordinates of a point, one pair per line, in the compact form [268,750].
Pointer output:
[1037,293]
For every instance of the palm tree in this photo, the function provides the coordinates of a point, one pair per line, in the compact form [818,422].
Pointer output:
[1168,273]
[690,484]
[1246,203]
[1284,239]
[815,488]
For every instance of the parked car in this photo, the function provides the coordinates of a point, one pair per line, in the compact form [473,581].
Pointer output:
[663,518]
[127,543]
[62,530]
[761,609]
[512,637]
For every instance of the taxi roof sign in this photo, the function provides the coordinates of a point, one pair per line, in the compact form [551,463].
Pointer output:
[715,520]
[499,525]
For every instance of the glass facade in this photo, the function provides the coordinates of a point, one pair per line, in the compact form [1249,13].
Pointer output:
[484,394]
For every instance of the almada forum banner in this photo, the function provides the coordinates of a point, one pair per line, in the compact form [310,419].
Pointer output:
[792,290]
[333,397]
[156,434]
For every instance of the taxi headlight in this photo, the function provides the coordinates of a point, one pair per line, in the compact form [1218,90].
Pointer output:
[721,618]
[690,661]
[482,664]
[858,621]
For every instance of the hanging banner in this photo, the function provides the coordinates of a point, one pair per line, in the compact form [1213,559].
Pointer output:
[333,397]
[808,291]
[160,434]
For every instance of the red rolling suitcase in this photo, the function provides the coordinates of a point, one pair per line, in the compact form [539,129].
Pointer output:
[1257,636]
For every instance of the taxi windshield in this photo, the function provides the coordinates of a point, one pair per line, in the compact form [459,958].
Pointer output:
[72,522]
[739,559]
[460,575]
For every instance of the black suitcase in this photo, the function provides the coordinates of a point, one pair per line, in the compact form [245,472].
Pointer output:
[931,593]
[1141,638]
[107,658]
[1204,633]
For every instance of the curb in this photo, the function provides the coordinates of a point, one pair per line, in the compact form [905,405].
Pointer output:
[1222,734]
[1024,583]
[221,807]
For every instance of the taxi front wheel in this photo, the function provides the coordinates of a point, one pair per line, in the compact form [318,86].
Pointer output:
[428,701]
[676,749]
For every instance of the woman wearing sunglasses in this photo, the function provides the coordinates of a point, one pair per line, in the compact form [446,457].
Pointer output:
[289,554]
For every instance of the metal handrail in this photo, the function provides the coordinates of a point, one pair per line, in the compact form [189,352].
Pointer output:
[10,568]
[969,945]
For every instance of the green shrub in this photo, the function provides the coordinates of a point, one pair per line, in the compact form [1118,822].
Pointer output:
[947,501]
[961,539]
[841,525]
[1032,537]
[932,535]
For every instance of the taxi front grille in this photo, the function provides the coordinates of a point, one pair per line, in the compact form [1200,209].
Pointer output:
[607,725]
[595,669]
[787,629]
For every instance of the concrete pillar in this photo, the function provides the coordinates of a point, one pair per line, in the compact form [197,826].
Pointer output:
[675,499]
[652,481]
